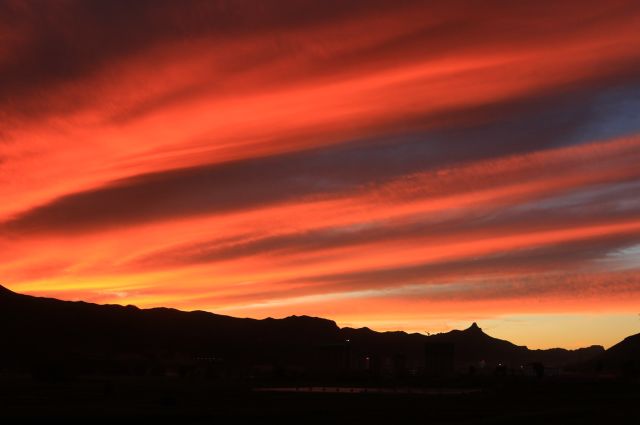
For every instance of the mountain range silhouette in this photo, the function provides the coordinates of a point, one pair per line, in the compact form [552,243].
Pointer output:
[87,337]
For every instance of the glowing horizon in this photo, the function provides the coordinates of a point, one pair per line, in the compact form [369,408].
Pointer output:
[399,165]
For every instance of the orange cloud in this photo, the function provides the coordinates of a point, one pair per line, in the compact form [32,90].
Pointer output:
[329,158]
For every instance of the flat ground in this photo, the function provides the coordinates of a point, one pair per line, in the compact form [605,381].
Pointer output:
[163,400]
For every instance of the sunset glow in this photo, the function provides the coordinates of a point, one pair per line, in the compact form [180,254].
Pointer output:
[402,165]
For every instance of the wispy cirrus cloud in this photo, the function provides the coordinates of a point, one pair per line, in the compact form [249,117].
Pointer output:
[291,157]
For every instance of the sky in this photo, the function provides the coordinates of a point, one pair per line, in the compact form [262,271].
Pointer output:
[401,165]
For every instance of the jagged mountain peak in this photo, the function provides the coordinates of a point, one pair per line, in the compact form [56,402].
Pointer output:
[474,328]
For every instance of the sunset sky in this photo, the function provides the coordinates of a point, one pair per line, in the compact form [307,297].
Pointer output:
[401,165]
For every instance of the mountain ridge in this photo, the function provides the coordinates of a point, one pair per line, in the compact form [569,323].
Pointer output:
[473,330]
[87,330]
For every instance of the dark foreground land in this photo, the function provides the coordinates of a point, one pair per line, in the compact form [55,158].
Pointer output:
[74,362]
[164,400]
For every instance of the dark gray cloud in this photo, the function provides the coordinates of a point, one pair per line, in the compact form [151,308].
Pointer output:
[531,272]
[590,207]
[48,44]
[330,170]
[51,43]
[555,257]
